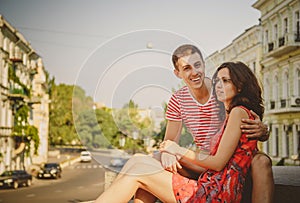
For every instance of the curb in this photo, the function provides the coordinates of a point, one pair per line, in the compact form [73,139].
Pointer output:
[69,162]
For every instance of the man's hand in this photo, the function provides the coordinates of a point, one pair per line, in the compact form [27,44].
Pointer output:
[169,162]
[255,128]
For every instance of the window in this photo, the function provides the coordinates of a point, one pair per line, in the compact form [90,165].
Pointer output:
[298,82]
[254,67]
[297,26]
[285,89]
[285,85]
[5,44]
[267,36]
[275,141]
[285,26]
[275,90]
[267,90]
[275,32]
[282,40]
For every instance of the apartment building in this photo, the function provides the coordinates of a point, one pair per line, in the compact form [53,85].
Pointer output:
[23,100]
[280,63]
[272,50]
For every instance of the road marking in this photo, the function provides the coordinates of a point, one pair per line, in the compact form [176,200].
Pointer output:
[93,166]
[30,195]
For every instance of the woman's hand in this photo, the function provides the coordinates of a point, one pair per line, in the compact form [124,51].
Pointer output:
[169,162]
[170,147]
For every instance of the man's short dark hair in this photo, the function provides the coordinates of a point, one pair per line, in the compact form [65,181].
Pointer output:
[184,50]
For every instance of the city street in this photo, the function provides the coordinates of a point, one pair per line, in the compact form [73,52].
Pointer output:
[79,182]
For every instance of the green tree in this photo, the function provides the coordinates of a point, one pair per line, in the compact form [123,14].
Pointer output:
[62,130]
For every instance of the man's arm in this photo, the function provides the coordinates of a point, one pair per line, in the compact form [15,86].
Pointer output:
[170,162]
[173,131]
[255,128]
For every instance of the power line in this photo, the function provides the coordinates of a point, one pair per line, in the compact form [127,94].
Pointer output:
[63,32]
[62,44]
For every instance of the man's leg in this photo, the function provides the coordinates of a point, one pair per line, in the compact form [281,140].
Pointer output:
[262,178]
[143,196]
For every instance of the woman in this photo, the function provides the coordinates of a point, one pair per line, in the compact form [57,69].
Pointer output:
[238,91]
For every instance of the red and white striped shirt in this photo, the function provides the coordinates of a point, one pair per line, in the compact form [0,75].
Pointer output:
[201,120]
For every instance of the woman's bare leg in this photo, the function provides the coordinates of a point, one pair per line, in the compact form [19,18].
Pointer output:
[138,159]
[140,176]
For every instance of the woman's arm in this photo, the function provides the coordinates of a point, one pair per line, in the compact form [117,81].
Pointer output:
[227,146]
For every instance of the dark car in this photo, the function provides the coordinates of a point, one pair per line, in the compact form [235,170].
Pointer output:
[50,170]
[15,178]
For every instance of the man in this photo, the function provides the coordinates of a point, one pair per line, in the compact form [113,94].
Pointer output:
[195,106]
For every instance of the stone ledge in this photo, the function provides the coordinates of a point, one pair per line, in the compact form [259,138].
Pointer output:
[287,183]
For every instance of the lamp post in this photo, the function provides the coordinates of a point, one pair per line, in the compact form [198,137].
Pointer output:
[122,141]
[147,143]
[135,136]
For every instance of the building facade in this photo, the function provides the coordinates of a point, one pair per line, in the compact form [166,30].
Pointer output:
[272,50]
[245,48]
[281,74]
[22,98]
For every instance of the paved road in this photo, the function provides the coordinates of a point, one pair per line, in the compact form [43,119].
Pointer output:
[79,182]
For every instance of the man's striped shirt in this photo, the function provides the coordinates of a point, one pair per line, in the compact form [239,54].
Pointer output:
[201,120]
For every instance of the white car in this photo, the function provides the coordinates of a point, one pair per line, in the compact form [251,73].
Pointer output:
[117,162]
[85,156]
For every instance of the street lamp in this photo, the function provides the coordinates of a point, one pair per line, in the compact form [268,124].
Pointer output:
[149,45]
[146,143]
[122,141]
[135,136]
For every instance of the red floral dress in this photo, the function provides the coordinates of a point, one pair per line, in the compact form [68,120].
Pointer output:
[219,186]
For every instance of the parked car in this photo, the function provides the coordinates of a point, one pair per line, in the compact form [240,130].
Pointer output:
[15,178]
[85,156]
[117,162]
[50,170]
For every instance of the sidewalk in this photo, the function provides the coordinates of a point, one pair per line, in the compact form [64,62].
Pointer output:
[287,183]
[65,159]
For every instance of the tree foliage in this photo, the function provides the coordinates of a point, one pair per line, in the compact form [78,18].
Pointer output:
[74,120]
[62,125]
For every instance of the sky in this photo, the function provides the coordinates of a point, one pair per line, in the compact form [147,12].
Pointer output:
[121,50]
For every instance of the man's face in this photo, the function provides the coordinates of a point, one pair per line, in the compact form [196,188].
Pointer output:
[191,70]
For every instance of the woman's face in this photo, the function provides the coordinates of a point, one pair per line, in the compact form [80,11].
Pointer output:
[225,89]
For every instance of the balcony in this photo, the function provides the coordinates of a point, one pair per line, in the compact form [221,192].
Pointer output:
[283,45]
[17,94]
[282,106]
